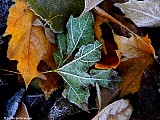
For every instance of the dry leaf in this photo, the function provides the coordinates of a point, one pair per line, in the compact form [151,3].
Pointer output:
[98,20]
[22,112]
[137,55]
[51,84]
[28,44]
[48,32]
[118,110]
[110,57]
[90,4]
[143,13]
[105,15]
[53,79]
[108,96]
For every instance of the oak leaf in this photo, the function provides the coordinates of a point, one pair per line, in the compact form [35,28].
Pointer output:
[110,57]
[28,44]
[137,55]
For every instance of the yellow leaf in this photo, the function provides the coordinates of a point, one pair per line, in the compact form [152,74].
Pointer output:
[28,44]
[137,55]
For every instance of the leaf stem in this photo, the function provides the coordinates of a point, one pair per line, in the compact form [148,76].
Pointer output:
[50,71]
[9,71]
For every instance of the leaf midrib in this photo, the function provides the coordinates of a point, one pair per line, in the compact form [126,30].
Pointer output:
[73,61]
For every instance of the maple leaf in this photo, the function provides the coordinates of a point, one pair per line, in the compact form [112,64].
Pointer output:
[28,44]
[110,57]
[80,32]
[137,55]
[78,80]
[143,13]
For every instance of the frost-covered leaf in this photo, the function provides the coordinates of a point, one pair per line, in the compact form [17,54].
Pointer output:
[85,58]
[77,79]
[138,53]
[13,103]
[62,49]
[80,32]
[143,13]
[118,110]
[101,74]
[62,43]
[57,12]
[89,4]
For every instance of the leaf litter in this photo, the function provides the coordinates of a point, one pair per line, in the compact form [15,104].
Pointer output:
[76,50]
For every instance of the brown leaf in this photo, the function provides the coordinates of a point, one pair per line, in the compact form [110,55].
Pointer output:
[108,96]
[52,82]
[98,20]
[90,4]
[118,110]
[137,55]
[22,112]
[107,16]
[110,54]
[143,13]
[28,44]
[116,19]
[48,32]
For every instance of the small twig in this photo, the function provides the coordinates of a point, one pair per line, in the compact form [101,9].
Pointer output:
[99,97]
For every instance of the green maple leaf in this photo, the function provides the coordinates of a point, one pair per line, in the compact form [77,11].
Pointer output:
[76,71]
[80,32]
[76,76]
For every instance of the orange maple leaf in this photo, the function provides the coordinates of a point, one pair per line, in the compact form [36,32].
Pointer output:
[137,55]
[28,44]
[110,57]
